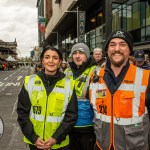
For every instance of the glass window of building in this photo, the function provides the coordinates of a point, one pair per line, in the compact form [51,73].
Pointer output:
[142,34]
[116,18]
[87,38]
[133,16]
[99,34]
[129,18]
[99,19]
[63,44]
[136,15]
[143,14]
[124,18]
[148,33]
[147,14]
[93,23]
[92,39]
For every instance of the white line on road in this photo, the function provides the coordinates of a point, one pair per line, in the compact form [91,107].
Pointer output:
[19,77]
[14,108]
[6,78]
[2,89]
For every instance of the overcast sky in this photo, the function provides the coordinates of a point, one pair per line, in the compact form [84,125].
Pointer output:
[18,19]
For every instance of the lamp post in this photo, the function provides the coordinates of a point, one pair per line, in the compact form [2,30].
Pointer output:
[57,37]
[80,24]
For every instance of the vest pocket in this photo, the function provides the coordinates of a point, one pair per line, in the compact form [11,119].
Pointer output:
[57,104]
[134,136]
[125,104]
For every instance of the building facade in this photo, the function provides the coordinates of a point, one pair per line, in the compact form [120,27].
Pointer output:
[8,48]
[62,24]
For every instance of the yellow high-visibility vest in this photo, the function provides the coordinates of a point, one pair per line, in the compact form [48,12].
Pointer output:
[47,112]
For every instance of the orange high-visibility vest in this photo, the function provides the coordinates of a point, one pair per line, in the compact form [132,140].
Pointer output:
[121,120]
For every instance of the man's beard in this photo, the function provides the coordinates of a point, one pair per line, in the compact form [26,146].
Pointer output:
[117,64]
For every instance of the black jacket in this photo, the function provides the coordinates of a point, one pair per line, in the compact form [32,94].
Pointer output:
[24,106]
[113,82]
[145,66]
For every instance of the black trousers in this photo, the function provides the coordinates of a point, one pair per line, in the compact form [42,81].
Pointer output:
[32,147]
[82,140]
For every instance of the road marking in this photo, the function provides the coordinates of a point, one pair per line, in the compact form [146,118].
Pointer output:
[1,83]
[19,77]
[9,84]
[2,89]
[8,94]
[14,108]
[14,84]
[6,78]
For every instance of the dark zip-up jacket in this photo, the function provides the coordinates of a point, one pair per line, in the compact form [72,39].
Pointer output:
[24,106]
[145,66]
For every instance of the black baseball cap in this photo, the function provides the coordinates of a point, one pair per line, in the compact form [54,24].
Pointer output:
[139,55]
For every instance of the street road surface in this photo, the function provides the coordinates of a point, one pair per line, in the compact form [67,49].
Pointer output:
[10,85]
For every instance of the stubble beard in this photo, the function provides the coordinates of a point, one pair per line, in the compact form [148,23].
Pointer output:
[117,64]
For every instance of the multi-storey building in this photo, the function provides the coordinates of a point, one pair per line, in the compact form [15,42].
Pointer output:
[101,17]
[8,48]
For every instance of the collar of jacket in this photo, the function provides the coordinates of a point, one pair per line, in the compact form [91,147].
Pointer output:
[50,79]
[78,71]
[145,66]
[108,67]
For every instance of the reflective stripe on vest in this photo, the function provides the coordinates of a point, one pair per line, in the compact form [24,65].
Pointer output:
[49,118]
[138,88]
[66,92]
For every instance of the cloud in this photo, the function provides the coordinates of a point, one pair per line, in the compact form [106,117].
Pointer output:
[19,20]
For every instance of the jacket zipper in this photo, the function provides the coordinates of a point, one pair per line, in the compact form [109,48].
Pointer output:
[111,126]
[45,118]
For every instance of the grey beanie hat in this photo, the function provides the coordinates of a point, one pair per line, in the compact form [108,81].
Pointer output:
[81,47]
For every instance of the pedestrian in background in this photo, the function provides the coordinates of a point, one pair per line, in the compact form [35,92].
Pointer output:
[47,105]
[82,136]
[121,98]
[63,66]
[5,66]
[98,57]
[139,58]
[38,67]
